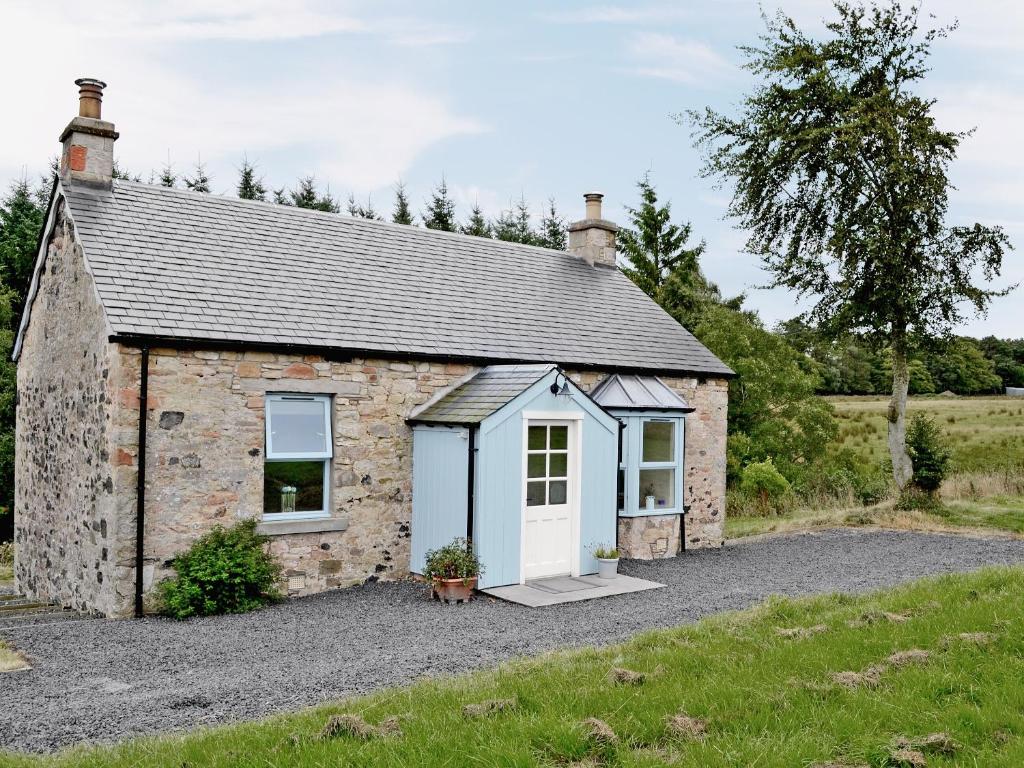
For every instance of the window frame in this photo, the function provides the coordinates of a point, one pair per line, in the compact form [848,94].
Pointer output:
[631,461]
[325,457]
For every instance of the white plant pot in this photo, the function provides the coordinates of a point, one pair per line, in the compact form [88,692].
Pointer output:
[607,568]
[652,503]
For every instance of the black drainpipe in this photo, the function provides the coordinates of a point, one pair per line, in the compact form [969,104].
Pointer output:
[140,487]
[470,484]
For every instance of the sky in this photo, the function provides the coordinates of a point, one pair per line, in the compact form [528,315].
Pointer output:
[504,100]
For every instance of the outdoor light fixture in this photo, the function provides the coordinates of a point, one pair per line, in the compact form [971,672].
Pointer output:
[561,391]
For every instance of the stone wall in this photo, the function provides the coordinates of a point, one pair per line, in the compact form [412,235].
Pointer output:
[64,512]
[655,536]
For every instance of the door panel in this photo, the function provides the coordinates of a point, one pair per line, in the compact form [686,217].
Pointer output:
[547,540]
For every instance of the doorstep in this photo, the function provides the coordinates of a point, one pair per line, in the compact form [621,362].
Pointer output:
[556,590]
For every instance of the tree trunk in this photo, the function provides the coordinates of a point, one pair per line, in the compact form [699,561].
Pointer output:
[902,468]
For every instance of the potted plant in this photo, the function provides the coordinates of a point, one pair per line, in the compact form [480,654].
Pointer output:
[607,562]
[453,571]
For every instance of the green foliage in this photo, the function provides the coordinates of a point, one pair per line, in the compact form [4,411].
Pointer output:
[306,195]
[440,213]
[401,214]
[773,410]
[513,225]
[227,570]
[961,366]
[929,453]
[1007,356]
[360,211]
[453,561]
[602,552]
[21,222]
[552,232]
[477,224]
[118,172]
[167,177]
[764,483]
[249,186]
[199,181]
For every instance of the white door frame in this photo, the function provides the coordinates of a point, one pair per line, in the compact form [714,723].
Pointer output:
[574,420]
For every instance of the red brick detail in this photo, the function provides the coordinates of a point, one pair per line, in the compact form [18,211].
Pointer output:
[123,458]
[299,371]
[76,157]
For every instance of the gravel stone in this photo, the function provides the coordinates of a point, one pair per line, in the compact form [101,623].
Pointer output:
[110,680]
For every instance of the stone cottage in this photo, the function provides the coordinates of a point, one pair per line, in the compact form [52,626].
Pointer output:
[187,360]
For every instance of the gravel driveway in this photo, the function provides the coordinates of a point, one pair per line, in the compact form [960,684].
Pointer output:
[108,680]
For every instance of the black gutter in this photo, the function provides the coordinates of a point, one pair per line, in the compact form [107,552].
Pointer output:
[344,354]
[140,486]
[470,485]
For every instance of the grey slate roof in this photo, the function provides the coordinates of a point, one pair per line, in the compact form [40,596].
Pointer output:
[188,266]
[476,398]
[637,392]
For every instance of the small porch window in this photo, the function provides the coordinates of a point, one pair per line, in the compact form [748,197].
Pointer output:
[299,447]
[650,465]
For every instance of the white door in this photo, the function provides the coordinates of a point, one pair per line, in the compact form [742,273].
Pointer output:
[548,528]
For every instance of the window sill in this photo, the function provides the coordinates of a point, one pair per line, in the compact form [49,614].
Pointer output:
[311,525]
[649,513]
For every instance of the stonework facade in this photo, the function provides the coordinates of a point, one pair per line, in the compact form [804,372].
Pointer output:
[78,454]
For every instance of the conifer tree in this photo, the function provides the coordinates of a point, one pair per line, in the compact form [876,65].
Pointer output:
[250,187]
[117,172]
[168,178]
[307,196]
[440,212]
[199,181]
[477,224]
[358,211]
[401,213]
[21,219]
[552,232]
[514,224]
[281,196]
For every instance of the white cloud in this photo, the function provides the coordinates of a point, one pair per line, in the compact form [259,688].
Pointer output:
[613,14]
[671,58]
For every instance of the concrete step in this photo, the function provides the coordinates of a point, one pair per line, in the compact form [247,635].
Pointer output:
[19,604]
[15,621]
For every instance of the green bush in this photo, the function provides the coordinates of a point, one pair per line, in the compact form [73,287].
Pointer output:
[453,561]
[763,483]
[226,571]
[928,452]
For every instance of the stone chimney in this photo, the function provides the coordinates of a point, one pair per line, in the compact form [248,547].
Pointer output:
[593,238]
[88,153]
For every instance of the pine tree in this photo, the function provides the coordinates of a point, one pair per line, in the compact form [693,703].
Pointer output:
[250,187]
[200,181]
[440,210]
[117,172]
[654,247]
[168,178]
[21,220]
[307,196]
[358,211]
[514,224]
[477,224]
[281,196]
[552,232]
[401,213]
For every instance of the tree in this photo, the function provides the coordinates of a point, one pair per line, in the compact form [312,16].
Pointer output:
[199,181]
[168,178]
[117,172]
[552,232]
[476,224]
[281,196]
[358,211]
[840,179]
[249,186]
[513,225]
[21,220]
[8,398]
[654,247]
[306,195]
[440,212]
[401,213]
[1007,355]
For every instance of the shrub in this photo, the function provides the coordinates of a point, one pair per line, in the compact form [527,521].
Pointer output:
[606,553]
[226,571]
[453,561]
[928,452]
[762,482]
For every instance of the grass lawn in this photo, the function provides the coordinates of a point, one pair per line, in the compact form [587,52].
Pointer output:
[789,683]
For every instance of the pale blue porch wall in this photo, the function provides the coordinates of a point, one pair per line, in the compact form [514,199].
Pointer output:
[440,466]
[499,490]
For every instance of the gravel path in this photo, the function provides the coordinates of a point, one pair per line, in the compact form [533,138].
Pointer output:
[109,680]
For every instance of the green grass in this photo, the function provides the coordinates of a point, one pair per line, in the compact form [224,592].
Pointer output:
[1001,512]
[768,700]
[985,433]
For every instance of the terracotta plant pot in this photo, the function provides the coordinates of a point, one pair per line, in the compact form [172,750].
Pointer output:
[454,590]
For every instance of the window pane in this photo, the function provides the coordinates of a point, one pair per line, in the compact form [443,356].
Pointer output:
[535,465]
[297,426]
[559,462]
[535,494]
[659,441]
[557,492]
[621,492]
[559,438]
[659,483]
[537,438]
[305,477]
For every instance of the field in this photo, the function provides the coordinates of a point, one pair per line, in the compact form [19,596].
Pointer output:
[932,667]
[984,494]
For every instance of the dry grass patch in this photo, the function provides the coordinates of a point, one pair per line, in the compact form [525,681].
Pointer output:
[11,660]
[800,632]
[906,658]
[623,676]
[489,707]
[907,758]
[869,678]
[932,744]
[352,726]
[682,726]
[598,733]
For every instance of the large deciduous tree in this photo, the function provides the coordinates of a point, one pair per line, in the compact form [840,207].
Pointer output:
[840,179]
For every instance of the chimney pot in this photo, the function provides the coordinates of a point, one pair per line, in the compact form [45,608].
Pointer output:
[593,238]
[593,204]
[90,97]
